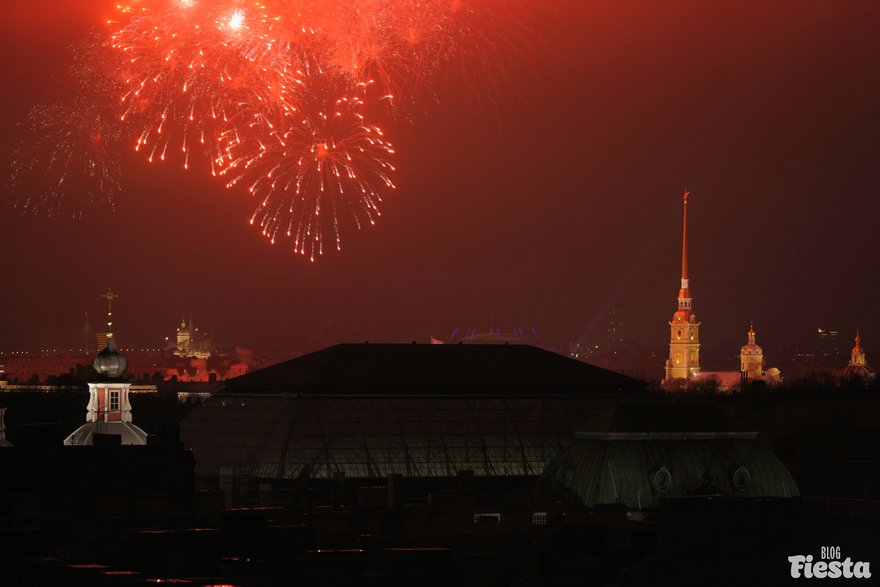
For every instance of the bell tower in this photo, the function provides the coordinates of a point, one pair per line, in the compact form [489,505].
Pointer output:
[684,339]
[751,357]
[857,357]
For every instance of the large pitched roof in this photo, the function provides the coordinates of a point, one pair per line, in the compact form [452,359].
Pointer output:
[369,368]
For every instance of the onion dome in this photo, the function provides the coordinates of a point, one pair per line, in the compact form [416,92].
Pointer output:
[751,347]
[110,362]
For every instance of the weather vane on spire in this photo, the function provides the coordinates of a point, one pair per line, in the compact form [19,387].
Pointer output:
[109,296]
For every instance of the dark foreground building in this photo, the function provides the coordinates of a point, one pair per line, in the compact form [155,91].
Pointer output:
[638,454]
[399,465]
[367,411]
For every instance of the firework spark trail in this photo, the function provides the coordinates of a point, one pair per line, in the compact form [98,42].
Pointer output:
[189,62]
[272,93]
[495,46]
[68,159]
[188,70]
[320,167]
[69,155]
[396,45]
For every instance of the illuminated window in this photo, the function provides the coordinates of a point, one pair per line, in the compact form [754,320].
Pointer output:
[678,334]
[678,358]
[114,401]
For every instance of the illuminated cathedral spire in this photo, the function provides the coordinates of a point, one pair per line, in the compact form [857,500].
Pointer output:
[684,294]
[684,341]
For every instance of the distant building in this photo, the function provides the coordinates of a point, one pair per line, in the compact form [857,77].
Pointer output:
[684,342]
[109,410]
[24,366]
[188,345]
[751,361]
[751,357]
[858,364]
[496,331]
[828,344]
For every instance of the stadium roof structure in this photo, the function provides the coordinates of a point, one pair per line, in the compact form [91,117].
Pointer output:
[369,368]
[372,410]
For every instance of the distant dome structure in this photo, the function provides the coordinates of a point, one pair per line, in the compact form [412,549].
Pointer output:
[509,331]
[858,365]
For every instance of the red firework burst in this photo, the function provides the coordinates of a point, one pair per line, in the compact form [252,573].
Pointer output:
[314,170]
[189,70]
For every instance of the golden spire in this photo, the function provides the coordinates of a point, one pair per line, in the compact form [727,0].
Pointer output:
[109,296]
[684,242]
[684,293]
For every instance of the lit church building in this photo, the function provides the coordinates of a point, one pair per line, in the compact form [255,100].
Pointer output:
[751,368]
[858,365]
[684,343]
[751,357]
[683,364]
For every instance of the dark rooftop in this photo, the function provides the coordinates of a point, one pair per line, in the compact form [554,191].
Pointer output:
[638,453]
[431,369]
[660,417]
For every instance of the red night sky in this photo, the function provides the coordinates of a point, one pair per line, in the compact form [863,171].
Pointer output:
[542,206]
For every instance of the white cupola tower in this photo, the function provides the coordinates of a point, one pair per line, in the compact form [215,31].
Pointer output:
[109,409]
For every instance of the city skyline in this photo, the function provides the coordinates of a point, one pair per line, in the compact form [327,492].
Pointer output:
[549,207]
